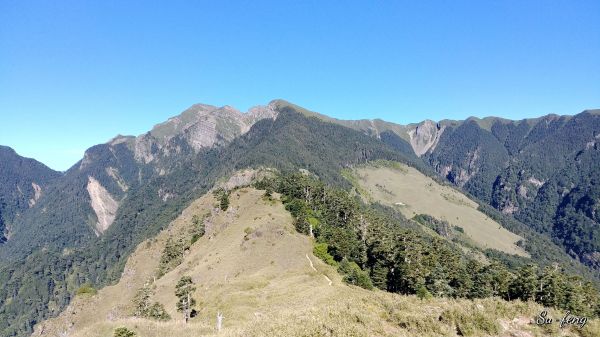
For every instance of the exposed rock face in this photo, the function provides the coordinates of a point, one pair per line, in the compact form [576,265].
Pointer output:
[103,204]
[425,137]
[37,193]
[535,182]
[200,126]
[245,177]
[114,173]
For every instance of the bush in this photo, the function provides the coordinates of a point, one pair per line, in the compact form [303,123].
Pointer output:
[157,311]
[86,289]
[123,332]
[199,229]
[320,251]
[172,255]
[144,308]
[354,275]
[423,293]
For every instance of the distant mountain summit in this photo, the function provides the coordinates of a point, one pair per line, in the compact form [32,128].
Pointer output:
[199,127]
[96,186]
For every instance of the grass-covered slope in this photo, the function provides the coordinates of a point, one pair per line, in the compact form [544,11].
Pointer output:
[254,268]
[66,253]
[413,193]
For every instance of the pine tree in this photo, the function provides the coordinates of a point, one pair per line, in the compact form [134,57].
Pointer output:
[144,308]
[525,285]
[224,201]
[551,291]
[437,282]
[141,301]
[462,282]
[482,281]
[499,278]
[199,229]
[574,296]
[184,290]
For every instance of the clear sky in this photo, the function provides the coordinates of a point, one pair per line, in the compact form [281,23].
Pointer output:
[76,73]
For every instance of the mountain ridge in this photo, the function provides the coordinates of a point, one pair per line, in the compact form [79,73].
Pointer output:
[126,190]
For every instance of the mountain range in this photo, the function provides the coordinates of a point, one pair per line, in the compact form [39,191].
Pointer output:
[538,178]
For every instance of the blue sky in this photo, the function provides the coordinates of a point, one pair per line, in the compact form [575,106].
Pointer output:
[76,73]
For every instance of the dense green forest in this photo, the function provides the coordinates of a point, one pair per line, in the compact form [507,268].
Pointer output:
[542,172]
[17,178]
[373,249]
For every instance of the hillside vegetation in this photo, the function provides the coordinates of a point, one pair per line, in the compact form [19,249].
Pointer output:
[22,182]
[413,193]
[259,272]
[543,172]
[57,241]
[55,252]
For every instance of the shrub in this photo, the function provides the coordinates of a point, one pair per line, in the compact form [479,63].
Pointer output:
[86,289]
[123,332]
[354,275]
[423,293]
[199,229]
[320,251]
[157,311]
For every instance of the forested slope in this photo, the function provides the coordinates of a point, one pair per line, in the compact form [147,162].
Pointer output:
[70,255]
[22,182]
[543,172]
[59,246]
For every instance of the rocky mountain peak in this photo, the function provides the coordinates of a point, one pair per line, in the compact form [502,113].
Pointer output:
[199,126]
[425,136]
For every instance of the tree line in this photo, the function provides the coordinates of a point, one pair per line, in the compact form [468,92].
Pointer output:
[373,249]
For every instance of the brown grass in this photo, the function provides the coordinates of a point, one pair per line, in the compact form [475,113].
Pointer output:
[414,193]
[264,286]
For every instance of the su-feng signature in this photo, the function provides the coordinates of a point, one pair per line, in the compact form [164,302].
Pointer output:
[567,319]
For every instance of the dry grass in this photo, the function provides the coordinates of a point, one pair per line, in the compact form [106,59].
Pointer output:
[264,286]
[414,193]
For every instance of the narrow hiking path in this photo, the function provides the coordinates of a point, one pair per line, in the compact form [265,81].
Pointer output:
[315,269]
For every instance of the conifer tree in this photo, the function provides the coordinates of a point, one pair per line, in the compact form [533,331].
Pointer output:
[184,291]
[551,291]
[525,285]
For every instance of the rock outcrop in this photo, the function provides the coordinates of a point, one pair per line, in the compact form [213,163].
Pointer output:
[425,136]
[103,204]
[200,126]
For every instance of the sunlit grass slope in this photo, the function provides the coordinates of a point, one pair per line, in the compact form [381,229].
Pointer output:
[256,269]
[413,193]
